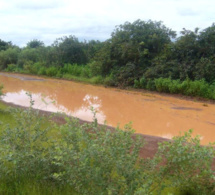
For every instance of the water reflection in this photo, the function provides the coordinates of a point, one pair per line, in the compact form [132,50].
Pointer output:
[168,136]
[85,111]
[150,113]
[47,103]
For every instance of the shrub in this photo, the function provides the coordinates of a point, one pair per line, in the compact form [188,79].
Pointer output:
[167,85]
[109,80]
[28,54]
[174,86]
[150,85]
[73,69]
[85,72]
[9,56]
[96,80]
[51,71]
[11,68]
[98,161]
[59,74]
[136,83]
[162,84]
[32,68]
[125,75]
[24,148]
[42,71]
[143,82]
[198,88]
[187,165]
[140,83]
[95,160]
[95,68]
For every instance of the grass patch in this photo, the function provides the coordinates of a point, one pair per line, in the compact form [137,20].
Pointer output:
[5,116]
[34,188]
[92,80]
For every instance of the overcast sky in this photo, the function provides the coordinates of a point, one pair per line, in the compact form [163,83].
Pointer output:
[46,20]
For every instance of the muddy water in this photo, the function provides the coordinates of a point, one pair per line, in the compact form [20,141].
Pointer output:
[151,114]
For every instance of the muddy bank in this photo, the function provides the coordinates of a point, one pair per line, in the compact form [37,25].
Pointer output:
[151,142]
[149,150]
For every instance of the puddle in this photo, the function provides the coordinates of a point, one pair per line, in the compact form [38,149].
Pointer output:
[153,114]
[186,108]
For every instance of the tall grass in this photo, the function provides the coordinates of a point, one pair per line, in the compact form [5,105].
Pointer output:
[198,88]
[90,73]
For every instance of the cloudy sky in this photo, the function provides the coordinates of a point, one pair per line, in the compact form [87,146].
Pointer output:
[46,20]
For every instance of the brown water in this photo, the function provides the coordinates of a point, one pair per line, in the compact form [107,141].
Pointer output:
[151,114]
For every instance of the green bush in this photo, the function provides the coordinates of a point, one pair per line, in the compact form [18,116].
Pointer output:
[125,75]
[109,80]
[95,68]
[136,83]
[142,83]
[59,74]
[11,68]
[28,54]
[72,158]
[195,88]
[85,72]
[198,88]
[9,56]
[73,69]
[167,85]
[32,68]
[150,85]
[187,165]
[68,76]
[25,155]
[96,80]
[174,86]
[42,71]
[98,161]
[95,160]
[24,148]
[51,71]
[163,84]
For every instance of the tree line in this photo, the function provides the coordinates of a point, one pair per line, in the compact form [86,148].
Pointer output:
[143,54]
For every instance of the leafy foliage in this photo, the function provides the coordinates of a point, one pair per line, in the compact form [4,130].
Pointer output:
[187,164]
[9,56]
[137,54]
[92,159]
[108,164]
[4,45]
[35,43]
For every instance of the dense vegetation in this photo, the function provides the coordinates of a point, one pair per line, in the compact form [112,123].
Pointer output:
[144,54]
[39,157]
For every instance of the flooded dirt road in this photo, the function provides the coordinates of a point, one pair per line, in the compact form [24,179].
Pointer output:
[151,114]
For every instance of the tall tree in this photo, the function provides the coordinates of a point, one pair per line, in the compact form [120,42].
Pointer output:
[69,50]
[35,43]
[139,42]
[4,45]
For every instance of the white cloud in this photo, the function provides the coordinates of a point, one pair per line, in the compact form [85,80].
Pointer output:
[24,20]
